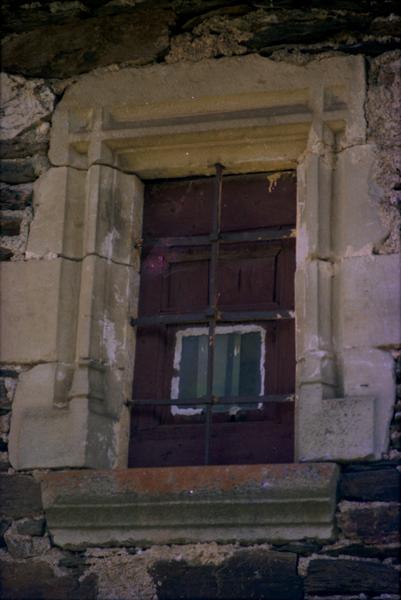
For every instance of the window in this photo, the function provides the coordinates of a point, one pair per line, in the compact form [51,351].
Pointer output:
[119,130]
[215,361]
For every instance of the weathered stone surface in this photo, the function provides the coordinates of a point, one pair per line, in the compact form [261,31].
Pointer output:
[82,222]
[22,170]
[178,579]
[35,140]
[65,236]
[5,423]
[10,224]
[29,310]
[328,428]
[33,579]
[228,32]
[303,548]
[342,576]
[371,371]
[24,17]
[4,525]
[5,253]
[20,496]
[44,434]
[25,546]
[35,526]
[362,550]
[84,45]
[371,286]
[384,100]
[16,197]
[26,105]
[4,399]
[7,390]
[356,226]
[303,27]
[383,109]
[376,523]
[259,574]
[4,462]
[369,485]
[146,506]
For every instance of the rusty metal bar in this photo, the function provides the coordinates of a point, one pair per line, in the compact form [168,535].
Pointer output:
[219,317]
[252,235]
[215,242]
[204,400]
[259,235]
[256,315]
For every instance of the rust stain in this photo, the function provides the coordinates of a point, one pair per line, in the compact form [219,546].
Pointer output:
[183,480]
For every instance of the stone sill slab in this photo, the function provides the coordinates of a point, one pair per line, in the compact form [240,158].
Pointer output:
[246,503]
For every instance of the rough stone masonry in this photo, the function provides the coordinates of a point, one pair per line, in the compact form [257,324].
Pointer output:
[47,46]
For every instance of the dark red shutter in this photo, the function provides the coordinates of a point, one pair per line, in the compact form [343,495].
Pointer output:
[253,275]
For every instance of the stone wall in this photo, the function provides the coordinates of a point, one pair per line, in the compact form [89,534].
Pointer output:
[47,45]
[360,562]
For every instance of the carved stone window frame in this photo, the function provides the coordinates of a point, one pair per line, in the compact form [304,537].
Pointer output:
[114,129]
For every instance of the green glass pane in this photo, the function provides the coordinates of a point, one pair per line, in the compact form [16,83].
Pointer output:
[237,365]
[250,369]
[189,367]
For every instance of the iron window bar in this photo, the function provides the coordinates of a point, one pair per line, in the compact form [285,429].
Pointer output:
[220,317]
[252,235]
[213,400]
[212,316]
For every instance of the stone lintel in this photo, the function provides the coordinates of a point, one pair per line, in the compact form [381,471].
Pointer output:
[190,504]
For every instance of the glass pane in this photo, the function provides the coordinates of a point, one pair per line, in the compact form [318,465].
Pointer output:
[237,365]
[250,369]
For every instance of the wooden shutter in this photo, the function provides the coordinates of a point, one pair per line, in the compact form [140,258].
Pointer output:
[252,276]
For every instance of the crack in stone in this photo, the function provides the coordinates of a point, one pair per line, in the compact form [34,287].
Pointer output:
[73,259]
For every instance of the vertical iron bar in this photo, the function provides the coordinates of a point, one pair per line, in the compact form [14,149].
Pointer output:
[215,243]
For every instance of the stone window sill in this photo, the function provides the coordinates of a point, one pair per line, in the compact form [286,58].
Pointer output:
[246,503]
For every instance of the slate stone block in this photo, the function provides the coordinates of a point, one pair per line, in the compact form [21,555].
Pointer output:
[10,225]
[373,524]
[344,576]
[260,574]
[19,496]
[35,526]
[15,197]
[138,37]
[31,580]
[374,485]
[174,579]
[22,170]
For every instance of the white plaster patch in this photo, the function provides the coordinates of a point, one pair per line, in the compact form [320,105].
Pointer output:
[108,242]
[198,331]
[110,340]
[33,256]
[272,181]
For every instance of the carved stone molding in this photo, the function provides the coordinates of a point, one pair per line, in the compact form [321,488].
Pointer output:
[248,503]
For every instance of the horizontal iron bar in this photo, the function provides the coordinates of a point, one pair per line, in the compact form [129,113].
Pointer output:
[221,317]
[261,315]
[205,401]
[259,235]
[263,234]
[175,319]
